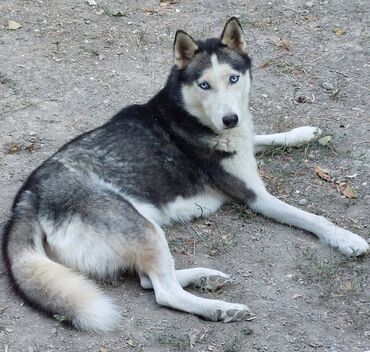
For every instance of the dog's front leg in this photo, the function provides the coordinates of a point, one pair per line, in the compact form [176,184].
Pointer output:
[293,138]
[244,184]
[345,241]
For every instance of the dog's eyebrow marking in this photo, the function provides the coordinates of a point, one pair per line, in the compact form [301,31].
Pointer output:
[197,66]
[236,61]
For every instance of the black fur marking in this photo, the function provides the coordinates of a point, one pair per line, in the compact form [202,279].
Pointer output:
[202,60]
[238,62]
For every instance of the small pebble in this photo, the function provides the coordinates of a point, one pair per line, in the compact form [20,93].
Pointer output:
[302,201]
[311,156]
[327,85]
[309,4]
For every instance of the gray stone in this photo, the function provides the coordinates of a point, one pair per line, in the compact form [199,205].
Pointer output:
[327,85]
[309,4]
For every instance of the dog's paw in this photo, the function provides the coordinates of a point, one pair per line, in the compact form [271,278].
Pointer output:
[302,135]
[220,143]
[348,243]
[223,144]
[232,312]
[213,282]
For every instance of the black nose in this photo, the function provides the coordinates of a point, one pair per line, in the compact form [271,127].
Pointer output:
[230,120]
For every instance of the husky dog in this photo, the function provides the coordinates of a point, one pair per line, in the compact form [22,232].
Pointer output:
[95,207]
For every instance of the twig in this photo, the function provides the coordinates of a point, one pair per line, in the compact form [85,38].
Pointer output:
[3,310]
[74,122]
[294,10]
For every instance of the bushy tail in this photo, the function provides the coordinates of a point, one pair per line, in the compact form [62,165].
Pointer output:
[50,286]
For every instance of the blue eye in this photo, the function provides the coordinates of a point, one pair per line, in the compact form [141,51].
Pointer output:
[204,85]
[234,79]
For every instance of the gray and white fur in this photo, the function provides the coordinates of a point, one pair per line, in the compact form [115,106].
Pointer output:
[94,208]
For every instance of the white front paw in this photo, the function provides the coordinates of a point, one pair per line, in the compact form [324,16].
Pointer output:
[222,144]
[348,243]
[302,135]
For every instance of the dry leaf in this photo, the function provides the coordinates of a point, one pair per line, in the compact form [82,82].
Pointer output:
[103,349]
[265,64]
[322,173]
[14,148]
[339,31]
[13,25]
[31,147]
[91,2]
[347,190]
[297,295]
[131,343]
[283,44]
[355,224]
[325,140]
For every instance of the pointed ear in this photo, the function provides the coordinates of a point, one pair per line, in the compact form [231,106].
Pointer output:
[233,36]
[184,48]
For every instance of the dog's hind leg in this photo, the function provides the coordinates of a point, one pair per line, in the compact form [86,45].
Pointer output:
[156,262]
[205,278]
[293,138]
[106,234]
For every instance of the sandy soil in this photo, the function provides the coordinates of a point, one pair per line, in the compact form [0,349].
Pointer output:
[71,65]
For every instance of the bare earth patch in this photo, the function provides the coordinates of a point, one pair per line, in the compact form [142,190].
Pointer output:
[73,64]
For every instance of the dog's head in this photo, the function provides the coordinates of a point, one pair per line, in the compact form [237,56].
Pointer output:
[215,76]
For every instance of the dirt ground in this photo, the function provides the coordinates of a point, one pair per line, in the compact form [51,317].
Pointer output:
[73,64]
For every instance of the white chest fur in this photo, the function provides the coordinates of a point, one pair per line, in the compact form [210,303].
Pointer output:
[182,209]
